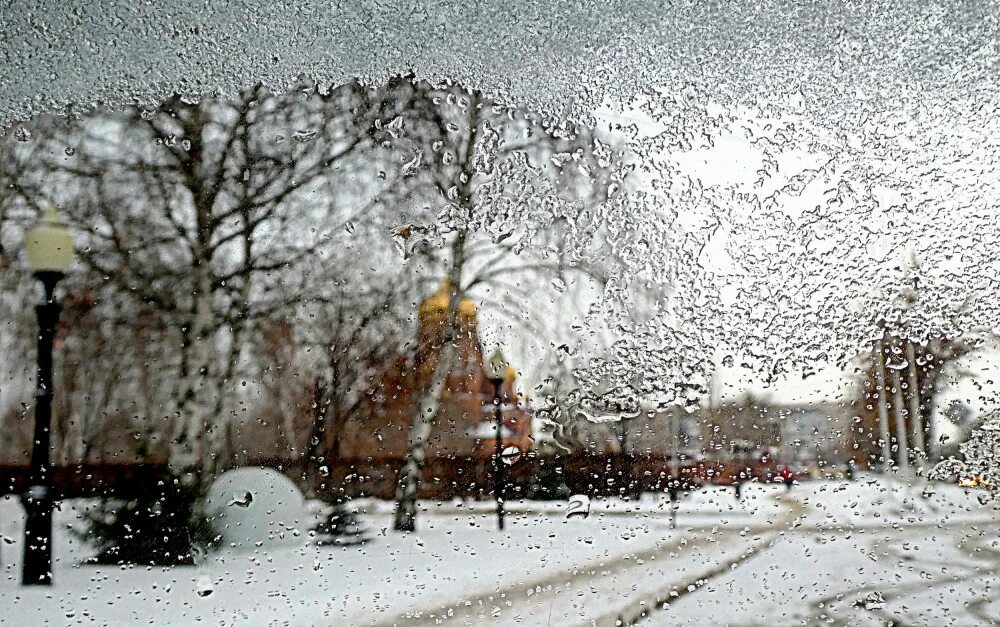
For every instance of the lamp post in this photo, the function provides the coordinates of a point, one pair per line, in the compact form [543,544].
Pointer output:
[675,479]
[49,248]
[496,370]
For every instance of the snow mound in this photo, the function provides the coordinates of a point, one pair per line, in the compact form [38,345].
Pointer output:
[254,507]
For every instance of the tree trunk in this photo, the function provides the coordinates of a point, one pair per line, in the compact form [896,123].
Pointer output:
[314,455]
[218,449]
[408,485]
[193,406]
[883,412]
[673,488]
[219,440]
[902,450]
[916,419]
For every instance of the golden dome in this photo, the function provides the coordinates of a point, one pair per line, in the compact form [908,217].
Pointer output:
[435,305]
[467,308]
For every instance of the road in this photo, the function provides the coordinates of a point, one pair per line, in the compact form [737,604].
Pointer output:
[797,569]
[615,591]
[917,575]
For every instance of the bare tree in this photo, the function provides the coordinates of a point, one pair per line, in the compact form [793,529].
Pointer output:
[355,336]
[477,162]
[901,384]
[207,212]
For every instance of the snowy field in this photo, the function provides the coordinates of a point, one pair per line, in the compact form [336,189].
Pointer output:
[859,553]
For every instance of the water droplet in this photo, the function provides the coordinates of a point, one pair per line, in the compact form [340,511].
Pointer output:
[578,506]
[242,498]
[510,455]
[204,586]
[872,601]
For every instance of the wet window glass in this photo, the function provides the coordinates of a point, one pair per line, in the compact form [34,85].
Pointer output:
[499,314]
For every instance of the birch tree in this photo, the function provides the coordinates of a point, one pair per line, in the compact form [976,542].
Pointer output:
[476,164]
[206,212]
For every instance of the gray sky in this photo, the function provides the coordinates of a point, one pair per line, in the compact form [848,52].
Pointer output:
[732,163]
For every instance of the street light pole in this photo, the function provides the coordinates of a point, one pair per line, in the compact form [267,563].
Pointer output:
[498,454]
[49,248]
[496,370]
[883,410]
[675,465]
[38,500]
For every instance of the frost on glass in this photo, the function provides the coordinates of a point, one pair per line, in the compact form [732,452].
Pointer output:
[669,191]
[860,130]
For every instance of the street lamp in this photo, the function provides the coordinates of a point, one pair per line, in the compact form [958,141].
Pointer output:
[49,248]
[674,488]
[496,370]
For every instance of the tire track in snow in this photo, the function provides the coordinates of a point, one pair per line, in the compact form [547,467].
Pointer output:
[644,606]
[823,609]
[603,578]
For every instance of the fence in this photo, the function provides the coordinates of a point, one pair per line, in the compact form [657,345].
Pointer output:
[444,478]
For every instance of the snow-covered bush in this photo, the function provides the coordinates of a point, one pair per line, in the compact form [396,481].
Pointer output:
[340,525]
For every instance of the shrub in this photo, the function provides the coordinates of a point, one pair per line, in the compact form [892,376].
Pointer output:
[163,525]
[340,526]
[548,483]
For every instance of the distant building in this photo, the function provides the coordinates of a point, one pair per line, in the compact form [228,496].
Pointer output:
[809,433]
[804,433]
[817,433]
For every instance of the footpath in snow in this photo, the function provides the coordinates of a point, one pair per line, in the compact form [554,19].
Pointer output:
[622,560]
[871,552]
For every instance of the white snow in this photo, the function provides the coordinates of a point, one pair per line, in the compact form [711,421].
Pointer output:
[255,507]
[542,568]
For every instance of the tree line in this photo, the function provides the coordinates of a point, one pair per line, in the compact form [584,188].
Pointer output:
[245,260]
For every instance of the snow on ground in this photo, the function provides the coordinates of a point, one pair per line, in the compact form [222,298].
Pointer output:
[711,527]
[871,552]
[903,575]
[710,504]
[873,500]
[831,538]
[457,550]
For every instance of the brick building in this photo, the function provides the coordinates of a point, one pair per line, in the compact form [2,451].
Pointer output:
[463,426]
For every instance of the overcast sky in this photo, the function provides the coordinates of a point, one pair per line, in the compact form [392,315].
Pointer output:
[733,162]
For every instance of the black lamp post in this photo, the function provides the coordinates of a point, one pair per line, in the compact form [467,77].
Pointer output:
[496,370]
[49,249]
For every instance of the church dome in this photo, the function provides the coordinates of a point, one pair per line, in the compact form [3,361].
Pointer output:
[435,305]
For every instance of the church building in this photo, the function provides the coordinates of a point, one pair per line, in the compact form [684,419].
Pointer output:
[465,423]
